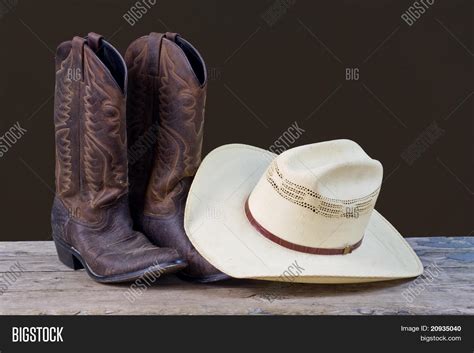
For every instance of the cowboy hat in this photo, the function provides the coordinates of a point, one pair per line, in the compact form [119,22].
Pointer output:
[306,215]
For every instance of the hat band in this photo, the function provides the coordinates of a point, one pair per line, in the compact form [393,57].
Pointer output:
[292,246]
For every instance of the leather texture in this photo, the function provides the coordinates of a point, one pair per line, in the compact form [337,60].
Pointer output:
[90,213]
[165,119]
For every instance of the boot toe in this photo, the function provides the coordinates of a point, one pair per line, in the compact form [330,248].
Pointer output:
[135,256]
[152,258]
[165,256]
[200,270]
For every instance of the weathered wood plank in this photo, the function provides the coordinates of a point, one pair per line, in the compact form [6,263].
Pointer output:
[48,287]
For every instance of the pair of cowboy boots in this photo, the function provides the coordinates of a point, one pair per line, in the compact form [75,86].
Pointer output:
[128,143]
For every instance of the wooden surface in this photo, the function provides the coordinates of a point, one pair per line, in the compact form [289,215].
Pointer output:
[48,287]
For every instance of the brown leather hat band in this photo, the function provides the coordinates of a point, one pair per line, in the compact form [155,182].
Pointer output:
[301,248]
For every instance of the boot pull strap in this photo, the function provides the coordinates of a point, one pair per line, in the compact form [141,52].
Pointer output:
[78,55]
[94,41]
[154,49]
[171,36]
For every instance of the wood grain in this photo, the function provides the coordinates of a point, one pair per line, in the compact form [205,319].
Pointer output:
[47,287]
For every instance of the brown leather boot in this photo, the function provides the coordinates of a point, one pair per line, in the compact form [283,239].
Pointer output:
[91,223]
[165,116]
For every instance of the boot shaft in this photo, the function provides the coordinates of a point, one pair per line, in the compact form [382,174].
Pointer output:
[89,117]
[167,97]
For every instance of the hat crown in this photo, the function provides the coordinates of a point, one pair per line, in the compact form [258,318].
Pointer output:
[320,195]
[337,169]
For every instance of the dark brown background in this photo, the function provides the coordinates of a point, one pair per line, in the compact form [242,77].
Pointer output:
[263,78]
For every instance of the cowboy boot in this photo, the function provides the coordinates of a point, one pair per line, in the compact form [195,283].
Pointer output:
[165,116]
[91,222]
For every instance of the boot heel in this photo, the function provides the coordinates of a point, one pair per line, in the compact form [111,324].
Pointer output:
[67,257]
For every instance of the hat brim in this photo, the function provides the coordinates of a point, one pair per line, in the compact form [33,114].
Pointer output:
[217,226]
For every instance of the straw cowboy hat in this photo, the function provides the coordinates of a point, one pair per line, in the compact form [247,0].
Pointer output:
[306,215]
